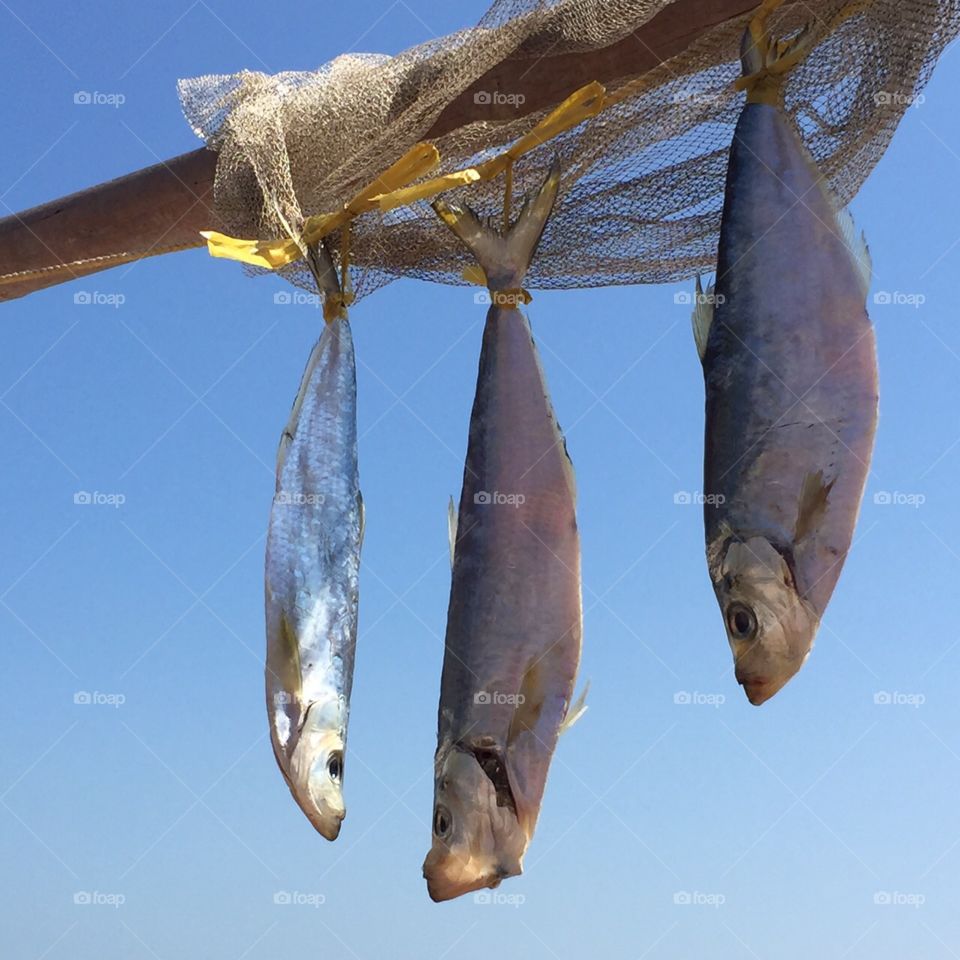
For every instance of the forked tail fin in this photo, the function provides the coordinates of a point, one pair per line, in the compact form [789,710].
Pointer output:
[504,259]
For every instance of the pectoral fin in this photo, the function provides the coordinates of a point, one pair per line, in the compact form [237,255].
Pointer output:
[812,505]
[576,710]
[283,663]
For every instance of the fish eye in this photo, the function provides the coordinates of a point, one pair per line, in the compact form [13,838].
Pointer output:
[442,822]
[335,765]
[741,622]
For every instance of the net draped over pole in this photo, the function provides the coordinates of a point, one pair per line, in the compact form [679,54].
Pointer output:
[642,182]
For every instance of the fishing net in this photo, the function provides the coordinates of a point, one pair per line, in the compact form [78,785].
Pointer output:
[642,181]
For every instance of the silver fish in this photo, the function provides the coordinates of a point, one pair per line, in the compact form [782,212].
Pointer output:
[312,572]
[514,622]
[790,368]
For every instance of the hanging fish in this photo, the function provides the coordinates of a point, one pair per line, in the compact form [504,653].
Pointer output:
[790,367]
[312,569]
[514,621]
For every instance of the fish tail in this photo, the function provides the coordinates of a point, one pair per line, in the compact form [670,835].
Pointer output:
[504,259]
[324,273]
[766,61]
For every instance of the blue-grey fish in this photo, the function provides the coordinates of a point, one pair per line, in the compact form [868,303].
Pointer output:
[514,621]
[789,362]
[312,571]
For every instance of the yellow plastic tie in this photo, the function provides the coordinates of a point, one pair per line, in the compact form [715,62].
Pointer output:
[333,307]
[581,105]
[511,297]
[764,85]
[335,302]
[272,254]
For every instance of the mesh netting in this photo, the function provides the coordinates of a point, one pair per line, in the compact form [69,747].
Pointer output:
[642,184]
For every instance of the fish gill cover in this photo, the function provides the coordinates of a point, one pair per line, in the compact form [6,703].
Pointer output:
[642,186]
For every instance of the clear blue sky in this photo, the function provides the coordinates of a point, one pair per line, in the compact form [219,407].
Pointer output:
[785,824]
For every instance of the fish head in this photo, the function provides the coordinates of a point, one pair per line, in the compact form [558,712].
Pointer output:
[314,769]
[769,625]
[477,839]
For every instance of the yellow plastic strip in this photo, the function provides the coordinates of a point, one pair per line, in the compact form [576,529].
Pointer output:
[424,191]
[391,189]
[581,105]
[415,163]
[259,253]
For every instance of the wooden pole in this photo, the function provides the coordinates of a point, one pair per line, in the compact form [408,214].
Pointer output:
[162,208]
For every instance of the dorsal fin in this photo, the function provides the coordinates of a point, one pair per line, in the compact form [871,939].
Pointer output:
[856,244]
[452,529]
[702,317]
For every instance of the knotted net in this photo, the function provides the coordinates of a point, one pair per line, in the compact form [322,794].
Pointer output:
[642,182]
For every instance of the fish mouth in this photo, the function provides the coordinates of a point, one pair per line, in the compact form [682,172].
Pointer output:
[329,828]
[759,689]
[441,889]
[326,822]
